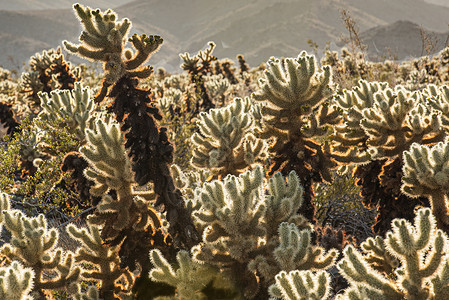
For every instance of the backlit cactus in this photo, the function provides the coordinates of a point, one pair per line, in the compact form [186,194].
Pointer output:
[16,282]
[197,66]
[396,120]
[103,39]
[238,224]
[107,271]
[71,107]
[426,174]
[33,244]
[379,124]
[218,87]
[49,71]
[296,115]
[437,97]
[423,273]
[129,212]
[349,137]
[301,285]
[192,280]
[226,143]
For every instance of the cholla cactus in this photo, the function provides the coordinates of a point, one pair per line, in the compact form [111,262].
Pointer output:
[377,256]
[148,146]
[49,71]
[217,87]
[34,246]
[438,99]
[238,220]
[420,72]
[418,80]
[225,68]
[42,61]
[106,154]
[91,294]
[192,279]
[244,67]
[8,88]
[396,120]
[177,81]
[111,169]
[16,282]
[380,124]
[103,40]
[426,174]
[283,202]
[171,100]
[29,152]
[301,285]
[187,182]
[349,138]
[293,251]
[31,85]
[424,270]
[129,213]
[234,210]
[295,90]
[197,66]
[226,144]
[113,279]
[73,107]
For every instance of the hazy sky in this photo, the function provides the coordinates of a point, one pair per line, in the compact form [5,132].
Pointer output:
[49,4]
[439,2]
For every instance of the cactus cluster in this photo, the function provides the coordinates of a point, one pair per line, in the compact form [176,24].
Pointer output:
[423,271]
[102,202]
[379,124]
[244,231]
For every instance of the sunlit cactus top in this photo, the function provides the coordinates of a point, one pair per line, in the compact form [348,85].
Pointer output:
[295,83]
[103,39]
[102,34]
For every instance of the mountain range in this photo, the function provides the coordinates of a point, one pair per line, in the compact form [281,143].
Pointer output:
[256,28]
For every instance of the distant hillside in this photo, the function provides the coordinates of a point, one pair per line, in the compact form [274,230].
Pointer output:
[257,28]
[263,28]
[401,39]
